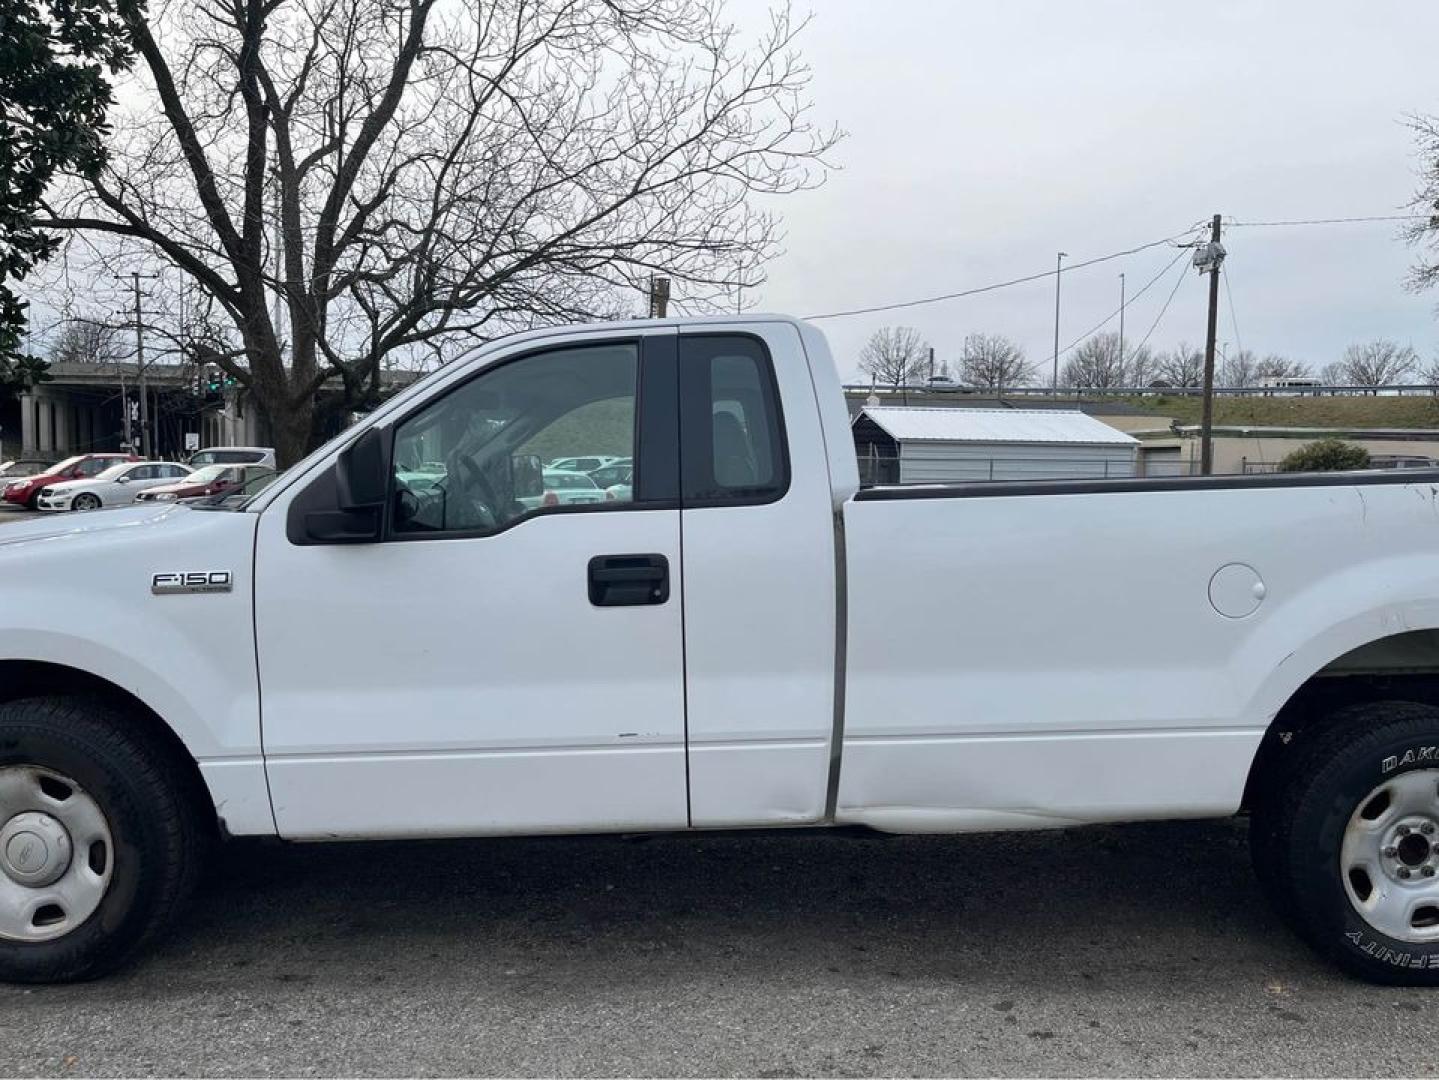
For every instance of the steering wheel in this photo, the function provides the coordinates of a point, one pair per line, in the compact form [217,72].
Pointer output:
[478,493]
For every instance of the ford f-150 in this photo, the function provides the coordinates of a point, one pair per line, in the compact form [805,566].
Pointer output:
[750,641]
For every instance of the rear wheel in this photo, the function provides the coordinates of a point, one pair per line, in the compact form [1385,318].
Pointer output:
[99,844]
[1347,842]
[86,501]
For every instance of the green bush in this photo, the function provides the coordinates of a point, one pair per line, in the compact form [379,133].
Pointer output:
[1326,455]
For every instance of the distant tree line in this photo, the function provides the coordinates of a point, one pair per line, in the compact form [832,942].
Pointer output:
[897,356]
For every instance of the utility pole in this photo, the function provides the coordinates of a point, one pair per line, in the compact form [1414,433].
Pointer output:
[1209,259]
[1121,323]
[659,297]
[931,364]
[1058,274]
[140,361]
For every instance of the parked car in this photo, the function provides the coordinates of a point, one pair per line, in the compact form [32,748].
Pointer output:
[619,472]
[622,489]
[26,490]
[584,464]
[921,659]
[209,480]
[1401,461]
[233,455]
[11,470]
[563,487]
[116,486]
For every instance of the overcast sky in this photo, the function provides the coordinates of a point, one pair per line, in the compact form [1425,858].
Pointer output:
[987,135]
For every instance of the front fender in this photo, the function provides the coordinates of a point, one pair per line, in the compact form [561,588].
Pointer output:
[83,599]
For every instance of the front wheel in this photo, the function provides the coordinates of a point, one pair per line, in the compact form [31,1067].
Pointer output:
[99,845]
[1347,844]
[85,501]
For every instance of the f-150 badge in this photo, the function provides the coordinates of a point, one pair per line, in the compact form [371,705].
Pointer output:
[193,581]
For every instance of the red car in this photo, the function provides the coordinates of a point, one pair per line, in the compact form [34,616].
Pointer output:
[209,480]
[25,490]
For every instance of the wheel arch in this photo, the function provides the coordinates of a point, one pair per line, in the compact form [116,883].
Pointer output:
[37,678]
[1399,666]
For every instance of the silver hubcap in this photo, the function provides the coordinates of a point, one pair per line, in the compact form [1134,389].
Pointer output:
[55,854]
[1390,857]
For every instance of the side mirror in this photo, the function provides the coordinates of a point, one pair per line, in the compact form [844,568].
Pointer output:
[356,516]
[361,472]
[122,479]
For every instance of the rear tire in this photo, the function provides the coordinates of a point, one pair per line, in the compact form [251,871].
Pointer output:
[120,898]
[1346,840]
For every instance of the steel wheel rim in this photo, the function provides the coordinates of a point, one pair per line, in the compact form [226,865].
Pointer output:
[1390,857]
[56,854]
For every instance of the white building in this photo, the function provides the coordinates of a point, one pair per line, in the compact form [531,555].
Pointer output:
[951,445]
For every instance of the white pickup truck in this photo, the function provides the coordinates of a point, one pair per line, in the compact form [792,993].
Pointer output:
[744,639]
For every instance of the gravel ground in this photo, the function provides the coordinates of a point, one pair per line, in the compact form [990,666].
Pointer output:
[1136,949]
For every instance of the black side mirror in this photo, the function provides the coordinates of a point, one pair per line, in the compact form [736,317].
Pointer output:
[361,482]
[362,472]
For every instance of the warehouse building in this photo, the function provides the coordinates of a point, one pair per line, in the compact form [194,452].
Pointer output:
[899,445]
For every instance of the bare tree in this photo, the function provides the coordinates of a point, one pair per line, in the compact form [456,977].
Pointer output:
[1424,232]
[992,362]
[894,355]
[87,341]
[1377,363]
[1274,366]
[1139,364]
[1096,364]
[1181,366]
[1239,368]
[1429,376]
[347,180]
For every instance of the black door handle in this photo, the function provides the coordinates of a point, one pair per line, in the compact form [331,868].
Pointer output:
[626,580]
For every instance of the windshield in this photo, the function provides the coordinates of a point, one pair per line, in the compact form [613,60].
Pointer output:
[208,475]
[239,496]
[559,480]
[227,457]
[113,471]
[68,463]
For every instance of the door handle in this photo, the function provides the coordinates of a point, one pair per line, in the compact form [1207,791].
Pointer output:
[629,580]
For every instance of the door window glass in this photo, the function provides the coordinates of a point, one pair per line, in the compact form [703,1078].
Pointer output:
[733,434]
[507,443]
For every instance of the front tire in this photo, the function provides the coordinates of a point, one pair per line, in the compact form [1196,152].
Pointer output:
[85,501]
[99,845]
[1347,841]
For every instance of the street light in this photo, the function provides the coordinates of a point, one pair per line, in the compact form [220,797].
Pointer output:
[1058,273]
[1121,325]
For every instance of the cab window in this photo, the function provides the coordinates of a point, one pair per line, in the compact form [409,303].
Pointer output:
[482,457]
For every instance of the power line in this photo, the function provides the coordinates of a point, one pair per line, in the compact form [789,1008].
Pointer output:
[1127,304]
[1232,223]
[1233,319]
[1162,310]
[998,284]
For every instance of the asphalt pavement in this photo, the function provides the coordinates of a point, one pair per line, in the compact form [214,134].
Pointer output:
[1140,949]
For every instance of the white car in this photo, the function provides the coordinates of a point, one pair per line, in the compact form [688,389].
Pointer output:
[116,486]
[585,464]
[233,455]
[753,641]
[563,487]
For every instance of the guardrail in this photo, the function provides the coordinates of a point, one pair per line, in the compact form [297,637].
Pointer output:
[1407,390]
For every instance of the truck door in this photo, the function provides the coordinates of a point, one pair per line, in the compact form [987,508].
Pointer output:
[508,657]
[760,578]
